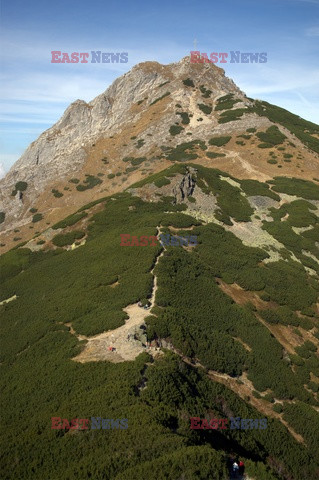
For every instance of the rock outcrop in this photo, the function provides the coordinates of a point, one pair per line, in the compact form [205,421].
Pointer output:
[185,187]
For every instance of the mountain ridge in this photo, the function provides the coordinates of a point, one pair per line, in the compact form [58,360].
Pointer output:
[92,139]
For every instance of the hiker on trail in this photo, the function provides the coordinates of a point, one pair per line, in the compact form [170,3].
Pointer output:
[235,469]
[241,469]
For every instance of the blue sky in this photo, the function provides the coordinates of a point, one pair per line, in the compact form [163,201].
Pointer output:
[35,92]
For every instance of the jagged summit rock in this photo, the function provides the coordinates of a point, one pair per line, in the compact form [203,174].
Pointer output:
[83,122]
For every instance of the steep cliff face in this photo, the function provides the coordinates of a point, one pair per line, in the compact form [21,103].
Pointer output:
[131,130]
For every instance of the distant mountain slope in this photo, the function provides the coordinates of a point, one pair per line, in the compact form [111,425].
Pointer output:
[141,124]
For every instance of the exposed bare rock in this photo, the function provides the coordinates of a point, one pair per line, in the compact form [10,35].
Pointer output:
[185,187]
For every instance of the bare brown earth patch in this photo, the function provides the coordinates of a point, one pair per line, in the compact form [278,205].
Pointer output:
[285,335]
[242,296]
[120,344]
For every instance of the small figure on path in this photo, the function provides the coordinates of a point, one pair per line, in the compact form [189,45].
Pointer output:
[241,469]
[235,469]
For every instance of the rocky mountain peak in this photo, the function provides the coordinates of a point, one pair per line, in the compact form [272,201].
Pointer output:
[147,118]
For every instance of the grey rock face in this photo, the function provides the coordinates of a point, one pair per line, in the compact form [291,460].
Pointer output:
[185,187]
[61,151]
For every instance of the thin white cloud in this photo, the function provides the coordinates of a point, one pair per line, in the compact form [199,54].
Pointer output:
[25,120]
[276,78]
[54,87]
[21,130]
[312,32]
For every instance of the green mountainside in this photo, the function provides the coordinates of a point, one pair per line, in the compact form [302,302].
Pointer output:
[46,285]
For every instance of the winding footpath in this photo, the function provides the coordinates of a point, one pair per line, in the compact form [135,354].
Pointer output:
[97,347]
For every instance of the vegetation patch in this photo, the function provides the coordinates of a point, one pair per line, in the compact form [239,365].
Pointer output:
[232,115]
[21,186]
[164,83]
[253,188]
[229,199]
[184,151]
[130,169]
[205,108]
[188,82]
[71,219]
[205,92]
[303,129]
[2,217]
[219,141]
[215,155]
[56,193]
[265,145]
[226,102]
[283,232]
[305,421]
[138,161]
[140,143]
[298,213]
[63,239]
[185,117]
[160,98]
[90,182]
[37,217]
[169,172]
[272,136]
[246,137]
[160,182]
[295,186]
[175,129]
